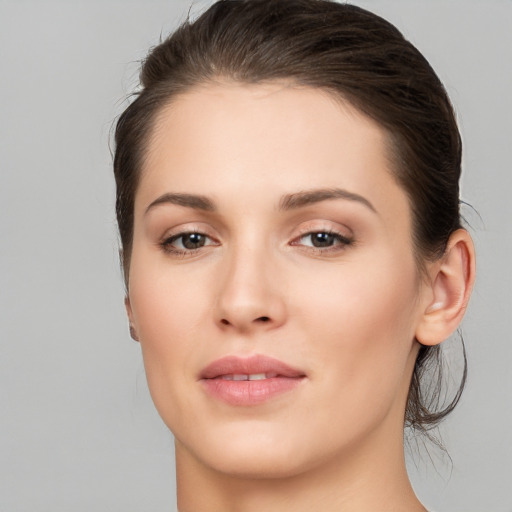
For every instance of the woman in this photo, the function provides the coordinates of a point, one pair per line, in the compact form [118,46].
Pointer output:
[287,199]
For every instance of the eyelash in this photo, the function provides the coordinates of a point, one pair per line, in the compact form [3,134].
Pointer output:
[341,242]
[169,248]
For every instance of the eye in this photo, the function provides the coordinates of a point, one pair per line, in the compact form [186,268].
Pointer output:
[323,240]
[182,243]
[320,239]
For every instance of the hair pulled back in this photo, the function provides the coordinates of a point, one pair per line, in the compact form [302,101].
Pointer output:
[353,54]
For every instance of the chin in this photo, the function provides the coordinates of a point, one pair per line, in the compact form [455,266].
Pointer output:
[257,466]
[249,452]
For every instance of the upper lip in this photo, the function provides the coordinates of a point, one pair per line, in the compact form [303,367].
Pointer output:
[258,363]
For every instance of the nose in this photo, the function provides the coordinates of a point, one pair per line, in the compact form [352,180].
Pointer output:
[251,295]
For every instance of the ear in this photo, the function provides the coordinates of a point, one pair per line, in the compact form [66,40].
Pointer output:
[129,312]
[447,294]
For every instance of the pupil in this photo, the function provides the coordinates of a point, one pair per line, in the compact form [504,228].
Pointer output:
[193,241]
[323,239]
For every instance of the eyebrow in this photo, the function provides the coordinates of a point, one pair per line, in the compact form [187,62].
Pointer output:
[308,197]
[194,201]
[287,202]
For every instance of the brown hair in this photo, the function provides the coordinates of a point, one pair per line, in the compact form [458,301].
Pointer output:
[355,55]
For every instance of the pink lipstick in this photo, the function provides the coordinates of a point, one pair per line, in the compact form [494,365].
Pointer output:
[249,381]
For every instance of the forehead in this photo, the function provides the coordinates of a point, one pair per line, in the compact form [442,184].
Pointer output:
[279,116]
[229,138]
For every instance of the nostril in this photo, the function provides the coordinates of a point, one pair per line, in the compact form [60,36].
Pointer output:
[260,319]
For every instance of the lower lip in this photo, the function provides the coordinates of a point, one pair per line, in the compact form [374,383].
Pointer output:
[249,392]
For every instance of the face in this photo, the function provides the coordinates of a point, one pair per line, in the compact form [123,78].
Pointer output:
[272,243]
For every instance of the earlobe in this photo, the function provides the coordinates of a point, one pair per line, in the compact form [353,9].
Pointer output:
[452,279]
[133,331]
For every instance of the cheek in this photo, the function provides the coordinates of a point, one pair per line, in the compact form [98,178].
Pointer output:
[167,301]
[373,294]
[362,321]
[167,311]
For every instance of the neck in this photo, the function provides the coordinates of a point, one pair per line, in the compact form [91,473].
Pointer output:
[363,479]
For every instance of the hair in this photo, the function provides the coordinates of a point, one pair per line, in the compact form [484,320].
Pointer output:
[359,58]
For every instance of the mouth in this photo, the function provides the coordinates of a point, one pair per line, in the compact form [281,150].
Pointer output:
[249,381]
[252,376]
[255,367]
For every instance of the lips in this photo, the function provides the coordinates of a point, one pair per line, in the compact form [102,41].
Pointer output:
[249,381]
[257,364]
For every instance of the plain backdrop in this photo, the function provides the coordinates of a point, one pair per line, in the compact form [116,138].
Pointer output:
[78,431]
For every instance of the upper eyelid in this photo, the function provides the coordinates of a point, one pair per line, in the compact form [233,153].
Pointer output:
[327,231]
[184,229]
[304,228]
[344,239]
[324,226]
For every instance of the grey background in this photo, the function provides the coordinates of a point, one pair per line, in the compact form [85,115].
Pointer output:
[77,429]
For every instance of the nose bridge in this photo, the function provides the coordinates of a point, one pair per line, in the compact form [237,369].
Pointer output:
[249,293]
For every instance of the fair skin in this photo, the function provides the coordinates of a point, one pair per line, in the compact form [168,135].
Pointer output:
[325,282]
